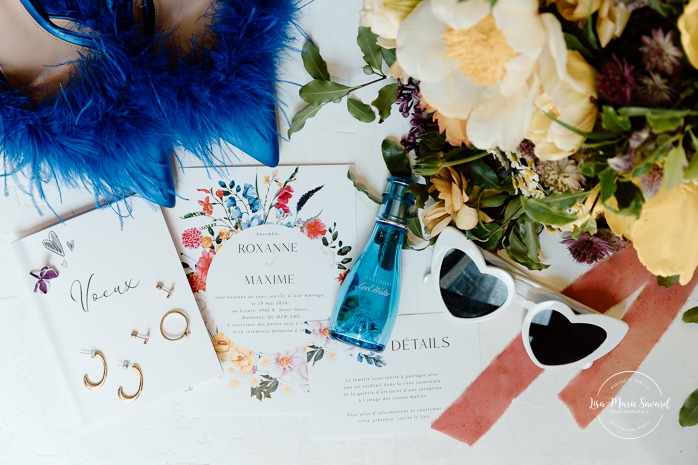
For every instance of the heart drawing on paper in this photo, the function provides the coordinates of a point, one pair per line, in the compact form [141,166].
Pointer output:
[64,264]
[71,245]
[53,244]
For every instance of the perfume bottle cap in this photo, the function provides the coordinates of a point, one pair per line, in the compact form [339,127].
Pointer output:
[396,200]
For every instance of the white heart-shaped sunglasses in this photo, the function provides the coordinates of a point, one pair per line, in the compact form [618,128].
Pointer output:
[557,331]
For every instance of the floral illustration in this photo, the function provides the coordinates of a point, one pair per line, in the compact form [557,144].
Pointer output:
[229,208]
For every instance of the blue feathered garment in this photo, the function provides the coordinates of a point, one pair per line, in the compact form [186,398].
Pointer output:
[130,102]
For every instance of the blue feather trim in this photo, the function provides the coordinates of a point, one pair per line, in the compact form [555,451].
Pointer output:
[114,125]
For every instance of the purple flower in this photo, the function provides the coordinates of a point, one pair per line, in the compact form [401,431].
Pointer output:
[659,52]
[590,249]
[408,103]
[616,82]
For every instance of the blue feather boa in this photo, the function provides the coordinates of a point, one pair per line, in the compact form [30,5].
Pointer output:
[129,103]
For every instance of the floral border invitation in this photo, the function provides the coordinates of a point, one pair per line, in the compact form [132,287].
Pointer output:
[218,229]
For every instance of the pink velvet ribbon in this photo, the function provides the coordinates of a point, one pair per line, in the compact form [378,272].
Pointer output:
[511,372]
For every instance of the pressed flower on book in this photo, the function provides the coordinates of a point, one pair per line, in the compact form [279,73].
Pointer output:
[229,208]
[575,116]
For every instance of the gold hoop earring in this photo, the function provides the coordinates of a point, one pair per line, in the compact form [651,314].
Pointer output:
[89,384]
[132,397]
[170,337]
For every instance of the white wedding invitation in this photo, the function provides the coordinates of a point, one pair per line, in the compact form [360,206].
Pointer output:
[94,281]
[264,250]
[401,390]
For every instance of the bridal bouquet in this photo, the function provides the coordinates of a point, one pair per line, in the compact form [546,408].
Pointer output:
[573,115]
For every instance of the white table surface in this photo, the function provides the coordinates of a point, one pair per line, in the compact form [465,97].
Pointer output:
[38,427]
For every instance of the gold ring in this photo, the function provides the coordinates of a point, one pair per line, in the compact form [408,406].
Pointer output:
[186,329]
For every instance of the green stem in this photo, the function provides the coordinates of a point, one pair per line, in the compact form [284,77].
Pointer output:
[465,160]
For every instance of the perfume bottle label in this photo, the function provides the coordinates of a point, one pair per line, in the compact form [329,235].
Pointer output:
[376,286]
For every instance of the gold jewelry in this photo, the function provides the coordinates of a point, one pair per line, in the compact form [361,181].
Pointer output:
[130,398]
[162,287]
[171,337]
[135,334]
[89,384]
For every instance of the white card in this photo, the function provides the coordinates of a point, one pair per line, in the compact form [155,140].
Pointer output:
[264,250]
[401,390]
[108,270]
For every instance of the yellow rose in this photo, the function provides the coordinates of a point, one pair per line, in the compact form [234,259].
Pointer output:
[576,10]
[664,234]
[568,88]
[222,344]
[242,360]
[451,206]
[688,26]
[224,234]
[206,242]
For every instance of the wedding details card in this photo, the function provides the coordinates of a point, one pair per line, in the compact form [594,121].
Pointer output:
[104,283]
[401,390]
[264,250]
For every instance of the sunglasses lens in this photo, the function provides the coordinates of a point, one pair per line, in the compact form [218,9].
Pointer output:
[555,340]
[466,292]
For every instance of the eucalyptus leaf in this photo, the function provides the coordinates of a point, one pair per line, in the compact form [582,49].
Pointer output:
[688,415]
[313,62]
[543,213]
[360,110]
[387,96]
[299,119]
[368,43]
[318,92]
[396,159]
[691,315]
[674,164]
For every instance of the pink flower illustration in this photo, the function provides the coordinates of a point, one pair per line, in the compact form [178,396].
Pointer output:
[191,238]
[315,228]
[204,263]
[196,282]
[282,199]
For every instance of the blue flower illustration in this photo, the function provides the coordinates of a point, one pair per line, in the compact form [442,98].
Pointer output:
[250,194]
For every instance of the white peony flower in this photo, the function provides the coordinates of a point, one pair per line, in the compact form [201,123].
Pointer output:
[477,63]
[384,18]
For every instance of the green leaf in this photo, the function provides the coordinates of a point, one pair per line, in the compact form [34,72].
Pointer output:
[344,250]
[492,198]
[415,227]
[692,168]
[388,56]
[299,119]
[420,193]
[630,198]
[360,110]
[488,235]
[385,100]
[688,415]
[396,159]
[667,281]
[368,43]
[313,62]
[599,135]
[362,188]
[614,122]
[480,173]
[565,200]
[573,43]
[664,123]
[691,315]
[318,92]
[541,212]
[607,180]
[674,164]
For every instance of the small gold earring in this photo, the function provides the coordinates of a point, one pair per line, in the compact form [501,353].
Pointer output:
[162,287]
[126,397]
[170,337]
[89,384]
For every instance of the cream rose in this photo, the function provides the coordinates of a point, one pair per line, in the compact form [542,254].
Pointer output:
[384,18]
[688,27]
[568,85]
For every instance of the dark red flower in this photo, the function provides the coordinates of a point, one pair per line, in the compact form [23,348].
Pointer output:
[617,82]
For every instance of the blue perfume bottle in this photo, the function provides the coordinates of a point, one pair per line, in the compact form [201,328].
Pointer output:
[366,307]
